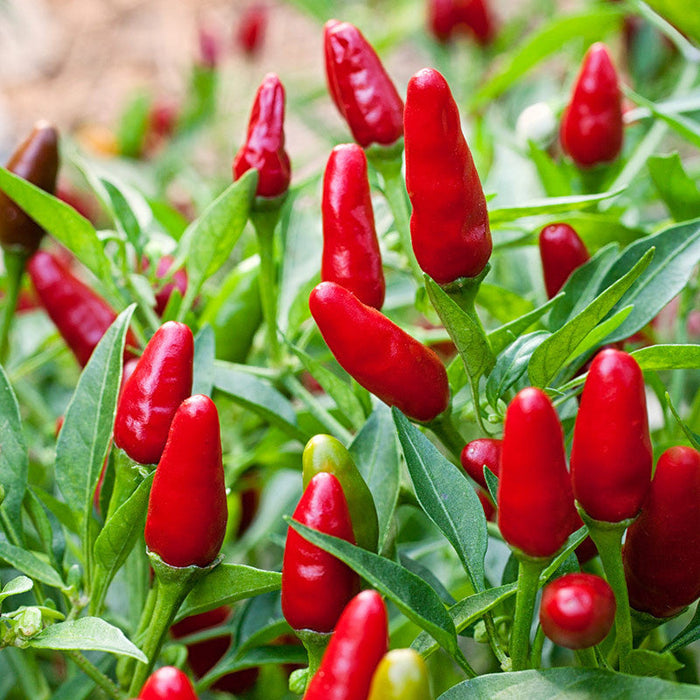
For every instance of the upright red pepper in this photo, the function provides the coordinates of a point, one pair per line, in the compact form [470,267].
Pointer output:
[264,145]
[187,512]
[161,381]
[351,256]
[168,683]
[611,456]
[357,646]
[251,29]
[178,281]
[536,510]
[360,87]
[449,224]
[379,355]
[35,160]
[81,316]
[479,453]
[315,585]
[591,127]
[445,17]
[562,251]
[662,550]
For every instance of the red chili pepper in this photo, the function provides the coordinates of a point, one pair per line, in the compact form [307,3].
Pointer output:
[315,585]
[209,47]
[264,146]
[591,127]
[187,511]
[81,316]
[379,355]
[577,610]
[562,251]
[487,505]
[480,453]
[441,19]
[355,650]
[536,510]
[360,87]
[662,549]
[351,256]
[178,281]
[251,29]
[611,456]
[35,160]
[449,224]
[445,17]
[161,381]
[168,683]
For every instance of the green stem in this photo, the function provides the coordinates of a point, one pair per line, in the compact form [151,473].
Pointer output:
[93,672]
[27,674]
[14,269]
[536,654]
[315,644]
[587,658]
[494,639]
[528,585]
[126,664]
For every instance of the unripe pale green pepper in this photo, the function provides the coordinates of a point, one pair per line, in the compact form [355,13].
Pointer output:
[400,675]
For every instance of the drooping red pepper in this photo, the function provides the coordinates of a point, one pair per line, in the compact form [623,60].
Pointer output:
[536,512]
[161,381]
[351,256]
[81,316]
[186,520]
[562,251]
[360,87]
[168,683]
[480,453]
[35,160]
[592,127]
[355,650]
[662,550]
[381,356]
[577,610]
[401,675]
[264,145]
[449,224]
[611,457]
[251,29]
[315,585]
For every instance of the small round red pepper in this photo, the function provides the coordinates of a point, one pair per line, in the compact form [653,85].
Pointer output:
[160,382]
[577,610]
[536,512]
[381,356]
[611,457]
[360,87]
[355,650]
[449,224]
[81,316]
[351,255]
[187,512]
[562,251]
[315,585]
[662,550]
[591,127]
[480,453]
[264,145]
[168,683]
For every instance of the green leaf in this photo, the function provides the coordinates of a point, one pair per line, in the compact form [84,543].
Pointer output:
[16,586]
[550,356]
[599,333]
[676,12]
[568,684]
[87,429]
[502,337]
[133,123]
[646,662]
[686,636]
[375,452]
[693,438]
[204,355]
[660,357]
[599,229]
[447,498]
[225,585]
[30,564]
[501,303]
[86,634]
[413,596]
[553,176]
[259,397]
[677,189]
[14,463]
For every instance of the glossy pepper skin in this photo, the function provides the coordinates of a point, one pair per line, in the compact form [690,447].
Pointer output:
[264,145]
[161,381]
[81,316]
[351,256]
[360,87]
[611,456]
[379,355]
[536,510]
[662,550]
[577,610]
[355,650]
[449,223]
[187,512]
[591,127]
[167,683]
[323,453]
[562,251]
[315,585]
[35,160]
[400,675]
[480,453]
